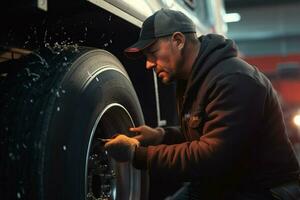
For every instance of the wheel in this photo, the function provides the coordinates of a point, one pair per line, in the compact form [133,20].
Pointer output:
[52,112]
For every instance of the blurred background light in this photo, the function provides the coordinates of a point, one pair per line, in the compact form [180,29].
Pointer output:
[232,17]
[297,120]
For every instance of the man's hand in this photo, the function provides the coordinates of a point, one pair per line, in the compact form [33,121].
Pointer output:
[122,148]
[149,136]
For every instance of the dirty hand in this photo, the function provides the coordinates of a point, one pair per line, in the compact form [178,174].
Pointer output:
[149,136]
[122,148]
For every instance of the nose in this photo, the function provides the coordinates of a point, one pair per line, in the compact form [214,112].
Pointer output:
[150,64]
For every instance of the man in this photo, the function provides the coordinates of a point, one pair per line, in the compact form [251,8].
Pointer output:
[232,143]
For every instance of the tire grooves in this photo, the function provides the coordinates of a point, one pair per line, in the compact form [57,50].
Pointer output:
[27,95]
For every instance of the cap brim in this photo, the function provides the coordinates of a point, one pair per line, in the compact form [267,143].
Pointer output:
[135,51]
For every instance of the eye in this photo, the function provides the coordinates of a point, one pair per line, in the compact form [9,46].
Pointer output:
[153,51]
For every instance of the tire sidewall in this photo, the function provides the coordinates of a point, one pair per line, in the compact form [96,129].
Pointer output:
[95,80]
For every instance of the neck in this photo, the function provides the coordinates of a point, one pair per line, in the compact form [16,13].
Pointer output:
[190,54]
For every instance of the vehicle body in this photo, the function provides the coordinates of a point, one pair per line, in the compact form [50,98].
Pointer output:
[65,82]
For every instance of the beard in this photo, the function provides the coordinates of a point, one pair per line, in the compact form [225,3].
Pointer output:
[167,73]
[167,77]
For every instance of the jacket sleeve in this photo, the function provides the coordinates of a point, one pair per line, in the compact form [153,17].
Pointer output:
[173,135]
[234,112]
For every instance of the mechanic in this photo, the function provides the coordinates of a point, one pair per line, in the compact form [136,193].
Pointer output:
[232,141]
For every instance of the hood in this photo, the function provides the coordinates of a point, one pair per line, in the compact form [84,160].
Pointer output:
[214,48]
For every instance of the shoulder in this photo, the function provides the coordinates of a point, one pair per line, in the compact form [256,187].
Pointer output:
[235,70]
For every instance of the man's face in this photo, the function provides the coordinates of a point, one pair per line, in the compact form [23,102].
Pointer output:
[165,58]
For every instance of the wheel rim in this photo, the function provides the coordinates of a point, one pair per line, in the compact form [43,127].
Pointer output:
[105,178]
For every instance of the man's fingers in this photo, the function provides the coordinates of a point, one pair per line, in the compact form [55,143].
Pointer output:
[104,140]
[110,142]
[135,129]
[139,128]
[138,137]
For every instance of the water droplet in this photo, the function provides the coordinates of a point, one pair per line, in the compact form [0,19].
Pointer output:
[64,148]
[28,71]
[31,100]
[97,79]
[24,146]
[63,91]
[58,108]
[106,44]
[57,94]
[18,195]
[11,155]
[23,190]
[35,76]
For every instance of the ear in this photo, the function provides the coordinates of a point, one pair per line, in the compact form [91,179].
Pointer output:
[179,40]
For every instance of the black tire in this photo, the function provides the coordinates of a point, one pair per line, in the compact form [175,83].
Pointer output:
[52,111]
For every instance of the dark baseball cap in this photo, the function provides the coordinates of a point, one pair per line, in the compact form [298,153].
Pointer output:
[162,23]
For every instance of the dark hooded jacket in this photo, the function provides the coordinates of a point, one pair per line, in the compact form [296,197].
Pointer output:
[232,135]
